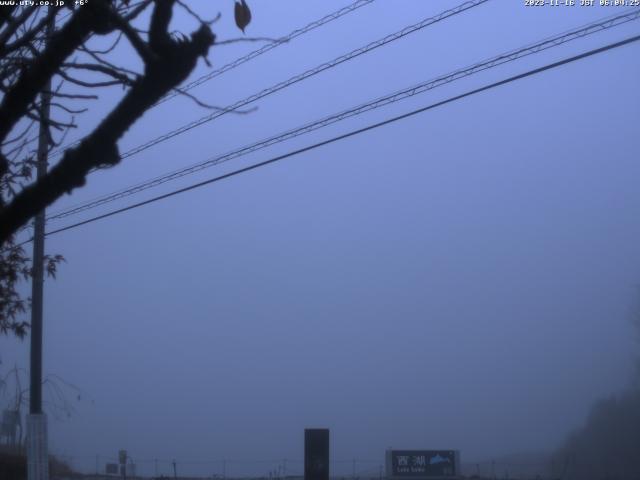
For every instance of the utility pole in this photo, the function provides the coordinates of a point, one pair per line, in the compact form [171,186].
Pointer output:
[175,471]
[37,446]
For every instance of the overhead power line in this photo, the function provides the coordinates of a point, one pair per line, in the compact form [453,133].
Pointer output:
[550,42]
[270,46]
[251,55]
[305,75]
[308,74]
[359,131]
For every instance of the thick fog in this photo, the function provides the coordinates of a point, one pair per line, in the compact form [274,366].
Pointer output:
[460,279]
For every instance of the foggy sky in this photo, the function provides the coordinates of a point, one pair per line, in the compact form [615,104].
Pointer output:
[461,279]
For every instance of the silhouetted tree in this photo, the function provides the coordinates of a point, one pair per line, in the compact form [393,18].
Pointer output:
[14,399]
[635,320]
[51,45]
[608,446]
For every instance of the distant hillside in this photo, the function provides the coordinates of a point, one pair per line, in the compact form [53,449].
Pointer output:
[608,446]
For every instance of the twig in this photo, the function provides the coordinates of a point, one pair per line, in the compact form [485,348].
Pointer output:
[75,96]
[136,41]
[112,72]
[212,107]
[67,109]
[82,83]
[108,50]
[198,17]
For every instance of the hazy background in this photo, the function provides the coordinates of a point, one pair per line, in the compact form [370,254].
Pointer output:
[461,279]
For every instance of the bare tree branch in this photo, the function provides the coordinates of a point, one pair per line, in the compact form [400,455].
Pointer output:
[136,41]
[200,103]
[29,36]
[61,45]
[108,64]
[171,66]
[112,72]
[137,10]
[198,17]
[32,53]
[84,48]
[14,24]
[74,96]
[50,122]
[83,83]
[67,109]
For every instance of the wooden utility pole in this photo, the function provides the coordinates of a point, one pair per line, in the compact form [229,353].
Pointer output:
[38,451]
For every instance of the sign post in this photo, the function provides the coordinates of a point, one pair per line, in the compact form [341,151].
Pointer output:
[422,464]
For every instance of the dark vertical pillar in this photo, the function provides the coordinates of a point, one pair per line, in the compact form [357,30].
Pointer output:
[316,454]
